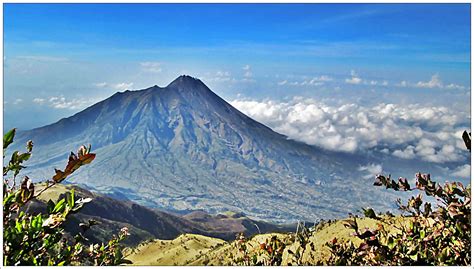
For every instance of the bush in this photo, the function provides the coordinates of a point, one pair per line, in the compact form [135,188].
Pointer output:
[426,236]
[39,239]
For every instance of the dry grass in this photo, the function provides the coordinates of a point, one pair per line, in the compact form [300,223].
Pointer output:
[180,251]
[188,250]
[52,193]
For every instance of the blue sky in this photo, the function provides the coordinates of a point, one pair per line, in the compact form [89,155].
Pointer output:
[61,58]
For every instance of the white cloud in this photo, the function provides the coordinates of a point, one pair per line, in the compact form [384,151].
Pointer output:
[247,72]
[431,133]
[372,170]
[403,83]
[222,74]
[407,153]
[123,86]
[435,82]
[323,78]
[61,102]
[315,81]
[455,87]
[153,67]
[101,84]
[355,79]
[17,101]
[463,171]
[39,101]
[375,83]
[117,86]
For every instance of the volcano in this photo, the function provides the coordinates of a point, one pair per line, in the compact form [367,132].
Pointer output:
[184,148]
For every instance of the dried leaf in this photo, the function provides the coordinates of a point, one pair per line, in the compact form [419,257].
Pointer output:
[74,163]
[27,189]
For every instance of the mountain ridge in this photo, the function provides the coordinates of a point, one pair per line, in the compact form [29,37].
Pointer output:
[146,223]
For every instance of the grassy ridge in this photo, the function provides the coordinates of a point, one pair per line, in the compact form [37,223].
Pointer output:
[201,250]
[183,250]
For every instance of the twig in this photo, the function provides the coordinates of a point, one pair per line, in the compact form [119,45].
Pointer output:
[257,228]
[45,188]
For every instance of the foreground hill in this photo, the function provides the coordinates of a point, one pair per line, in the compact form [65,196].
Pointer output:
[183,148]
[191,249]
[147,224]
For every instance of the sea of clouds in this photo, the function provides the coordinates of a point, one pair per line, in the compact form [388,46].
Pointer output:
[414,131]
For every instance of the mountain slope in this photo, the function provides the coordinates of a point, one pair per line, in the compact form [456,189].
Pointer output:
[146,224]
[184,148]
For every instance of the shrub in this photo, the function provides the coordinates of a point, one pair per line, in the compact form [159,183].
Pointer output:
[39,239]
[427,236]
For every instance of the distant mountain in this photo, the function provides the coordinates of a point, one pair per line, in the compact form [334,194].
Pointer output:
[146,224]
[184,148]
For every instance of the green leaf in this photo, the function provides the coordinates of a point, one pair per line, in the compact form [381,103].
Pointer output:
[59,206]
[18,226]
[391,243]
[34,222]
[13,158]
[24,157]
[369,213]
[70,201]
[9,198]
[8,138]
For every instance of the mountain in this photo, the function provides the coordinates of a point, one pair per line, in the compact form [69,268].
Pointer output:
[184,148]
[148,224]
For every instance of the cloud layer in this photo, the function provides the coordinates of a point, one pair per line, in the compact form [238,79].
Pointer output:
[356,80]
[371,170]
[434,82]
[413,131]
[61,102]
[122,86]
